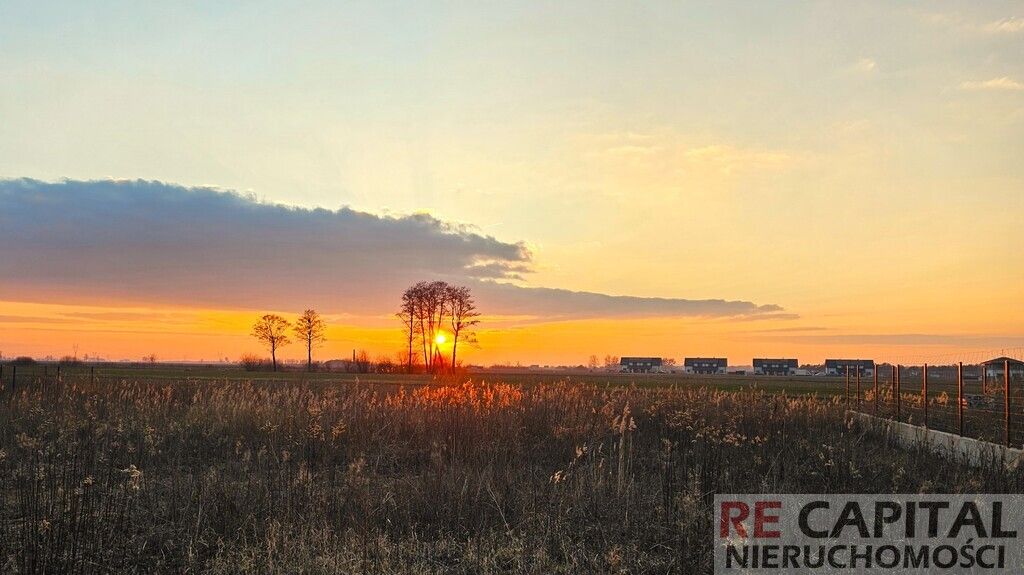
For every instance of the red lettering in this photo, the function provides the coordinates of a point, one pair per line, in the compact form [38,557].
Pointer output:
[760,518]
[727,518]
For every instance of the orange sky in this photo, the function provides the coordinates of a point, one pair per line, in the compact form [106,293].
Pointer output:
[198,334]
[804,180]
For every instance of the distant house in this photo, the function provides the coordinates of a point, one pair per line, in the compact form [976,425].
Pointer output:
[640,364]
[994,367]
[705,365]
[866,367]
[775,366]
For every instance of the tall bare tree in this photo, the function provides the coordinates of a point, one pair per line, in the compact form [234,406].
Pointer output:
[463,315]
[435,303]
[311,330]
[272,330]
[428,306]
[407,313]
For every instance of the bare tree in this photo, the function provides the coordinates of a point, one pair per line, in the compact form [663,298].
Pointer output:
[361,362]
[385,364]
[592,363]
[427,306]
[427,310]
[311,330]
[407,313]
[420,294]
[434,304]
[272,330]
[463,316]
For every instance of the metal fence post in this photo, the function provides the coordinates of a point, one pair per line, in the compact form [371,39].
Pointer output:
[874,373]
[847,386]
[92,374]
[924,392]
[1006,399]
[14,377]
[960,398]
[858,387]
[896,373]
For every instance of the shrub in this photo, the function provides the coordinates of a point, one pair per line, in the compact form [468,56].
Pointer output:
[253,362]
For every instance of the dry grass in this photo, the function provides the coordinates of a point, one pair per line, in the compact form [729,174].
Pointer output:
[187,477]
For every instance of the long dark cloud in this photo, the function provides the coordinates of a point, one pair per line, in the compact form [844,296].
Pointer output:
[899,339]
[141,241]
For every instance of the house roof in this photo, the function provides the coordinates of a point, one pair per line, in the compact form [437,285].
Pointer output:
[628,360]
[761,361]
[1001,360]
[691,361]
[839,362]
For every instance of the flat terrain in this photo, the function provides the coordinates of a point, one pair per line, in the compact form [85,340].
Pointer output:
[824,386]
[217,474]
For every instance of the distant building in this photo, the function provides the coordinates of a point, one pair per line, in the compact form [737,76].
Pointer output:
[640,364]
[866,367]
[994,367]
[775,366]
[705,365]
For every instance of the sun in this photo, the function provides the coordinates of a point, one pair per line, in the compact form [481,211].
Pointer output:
[440,339]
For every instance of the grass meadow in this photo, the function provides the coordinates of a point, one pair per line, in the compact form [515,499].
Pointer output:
[200,475]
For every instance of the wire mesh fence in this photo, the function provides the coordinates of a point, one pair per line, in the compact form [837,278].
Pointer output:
[982,401]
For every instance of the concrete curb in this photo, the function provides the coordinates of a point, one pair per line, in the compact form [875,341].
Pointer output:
[971,451]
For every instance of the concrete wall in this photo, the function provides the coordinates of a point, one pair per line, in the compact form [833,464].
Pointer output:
[963,449]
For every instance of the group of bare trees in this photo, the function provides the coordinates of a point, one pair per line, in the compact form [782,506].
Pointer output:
[434,314]
[272,330]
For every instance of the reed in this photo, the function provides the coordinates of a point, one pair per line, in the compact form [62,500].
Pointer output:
[471,477]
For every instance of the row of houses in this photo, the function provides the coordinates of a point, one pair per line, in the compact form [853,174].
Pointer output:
[790,366]
[708,365]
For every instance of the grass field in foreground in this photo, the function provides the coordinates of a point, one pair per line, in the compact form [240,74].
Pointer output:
[212,476]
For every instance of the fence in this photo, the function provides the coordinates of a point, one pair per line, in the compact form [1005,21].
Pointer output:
[982,401]
[13,376]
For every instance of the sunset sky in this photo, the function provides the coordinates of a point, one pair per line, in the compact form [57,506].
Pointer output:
[802,179]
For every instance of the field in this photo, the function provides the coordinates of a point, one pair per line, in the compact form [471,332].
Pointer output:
[158,472]
[822,386]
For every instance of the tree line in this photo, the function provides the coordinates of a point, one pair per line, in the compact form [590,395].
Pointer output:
[434,316]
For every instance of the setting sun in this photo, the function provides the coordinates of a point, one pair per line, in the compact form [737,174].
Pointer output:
[440,339]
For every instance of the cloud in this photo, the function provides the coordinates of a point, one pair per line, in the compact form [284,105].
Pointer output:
[667,154]
[1010,25]
[151,242]
[864,66]
[791,329]
[552,303]
[904,339]
[1003,83]
[958,22]
[32,319]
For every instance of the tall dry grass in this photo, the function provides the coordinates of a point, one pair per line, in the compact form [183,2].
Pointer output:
[186,477]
